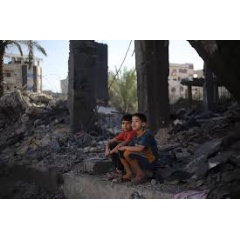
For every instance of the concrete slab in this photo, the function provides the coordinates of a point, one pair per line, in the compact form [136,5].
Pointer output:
[75,185]
[96,187]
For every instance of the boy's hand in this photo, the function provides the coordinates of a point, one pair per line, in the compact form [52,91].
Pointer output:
[107,152]
[115,150]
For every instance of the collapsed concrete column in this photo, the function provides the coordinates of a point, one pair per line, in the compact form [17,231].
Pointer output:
[102,74]
[37,80]
[24,75]
[152,65]
[81,90]
[210,89]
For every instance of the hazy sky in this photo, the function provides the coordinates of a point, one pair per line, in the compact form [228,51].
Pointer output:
[55,65]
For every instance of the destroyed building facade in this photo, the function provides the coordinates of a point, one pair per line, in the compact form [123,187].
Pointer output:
[17,73]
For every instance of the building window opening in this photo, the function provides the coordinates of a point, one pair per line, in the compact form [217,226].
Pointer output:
[173,90]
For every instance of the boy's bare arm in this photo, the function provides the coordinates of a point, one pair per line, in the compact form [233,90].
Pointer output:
[119,145]
[107,150]
[138,148]
[111,141]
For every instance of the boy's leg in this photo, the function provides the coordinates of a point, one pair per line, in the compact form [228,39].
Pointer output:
[135,166]
[128,175]
[126,165]
[140,164]
[115,159]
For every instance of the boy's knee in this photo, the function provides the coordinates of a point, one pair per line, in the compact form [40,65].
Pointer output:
[123,161]
[126,154]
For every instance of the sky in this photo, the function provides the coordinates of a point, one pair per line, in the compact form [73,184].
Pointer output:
[55,65]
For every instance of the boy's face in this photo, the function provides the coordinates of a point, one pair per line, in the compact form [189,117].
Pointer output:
[137,124]
[126,126]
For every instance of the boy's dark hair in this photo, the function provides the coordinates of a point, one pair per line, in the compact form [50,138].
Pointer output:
[127,117]
[141,116]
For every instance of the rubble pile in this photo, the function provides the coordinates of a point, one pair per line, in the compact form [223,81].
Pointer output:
[200,151]
[204,152]
[18,189]
[35,133]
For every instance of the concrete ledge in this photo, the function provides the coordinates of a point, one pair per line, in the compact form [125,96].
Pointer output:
[84,186]
[95,187]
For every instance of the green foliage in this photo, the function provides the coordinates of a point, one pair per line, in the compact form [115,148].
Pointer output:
[123,90]
[4,44]
[32,46]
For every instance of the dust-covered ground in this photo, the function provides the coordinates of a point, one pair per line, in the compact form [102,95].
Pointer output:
[199,152]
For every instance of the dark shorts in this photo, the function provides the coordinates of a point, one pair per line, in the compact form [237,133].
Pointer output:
[143,161]
[141,158]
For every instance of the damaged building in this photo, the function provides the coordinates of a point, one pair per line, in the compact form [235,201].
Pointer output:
[51,151]
[18,74]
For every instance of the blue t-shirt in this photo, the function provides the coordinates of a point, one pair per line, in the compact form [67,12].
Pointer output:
[147,140]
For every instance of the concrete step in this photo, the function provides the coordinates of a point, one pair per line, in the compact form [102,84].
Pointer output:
[85,186]
[76,185]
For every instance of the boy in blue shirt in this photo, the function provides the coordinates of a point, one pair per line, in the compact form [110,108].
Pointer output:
[140,155]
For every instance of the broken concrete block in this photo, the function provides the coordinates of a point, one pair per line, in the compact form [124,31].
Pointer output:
[220,158]
[208,148]
[83,139]
[97,166]
[181,156]
[54,145]
[40,97]
[86,150]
